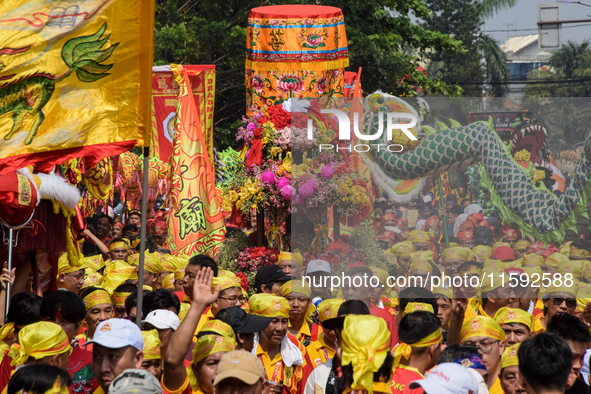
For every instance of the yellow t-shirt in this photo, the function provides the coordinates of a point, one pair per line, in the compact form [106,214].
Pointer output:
[275,370]
[496,387]
[318,351]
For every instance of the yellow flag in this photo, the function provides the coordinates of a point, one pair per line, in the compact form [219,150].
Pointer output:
[75,79]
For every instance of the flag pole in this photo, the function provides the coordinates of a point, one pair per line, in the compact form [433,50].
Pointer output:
[140,274]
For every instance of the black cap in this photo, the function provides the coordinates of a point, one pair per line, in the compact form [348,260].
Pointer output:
[494,222]
[242,322]
[269,274]
[483,235]
[134,212]
[351,307]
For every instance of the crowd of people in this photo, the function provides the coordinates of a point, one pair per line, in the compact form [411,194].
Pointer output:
[499,331]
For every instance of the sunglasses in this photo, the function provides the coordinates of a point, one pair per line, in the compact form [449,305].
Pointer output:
[570,302]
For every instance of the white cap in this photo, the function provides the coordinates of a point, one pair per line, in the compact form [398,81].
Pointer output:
[427,199]
[118,333]
[318,266]
[162,319]
[447,378]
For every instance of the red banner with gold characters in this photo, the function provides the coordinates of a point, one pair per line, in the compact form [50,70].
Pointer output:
[74,80]
[195,221]
[165,92]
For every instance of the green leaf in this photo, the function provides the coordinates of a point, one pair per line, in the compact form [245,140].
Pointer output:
[85,76]
[70,45]
[92,67]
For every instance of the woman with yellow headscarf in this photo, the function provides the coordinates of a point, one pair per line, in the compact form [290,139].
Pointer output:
[365,355]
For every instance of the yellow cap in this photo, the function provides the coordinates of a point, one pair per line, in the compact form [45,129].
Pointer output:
[329,308]
[402,249]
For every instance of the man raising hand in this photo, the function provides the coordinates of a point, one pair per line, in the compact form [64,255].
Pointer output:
[175,379]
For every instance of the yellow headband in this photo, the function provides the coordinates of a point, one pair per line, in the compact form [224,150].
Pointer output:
[521,244]
[97,297]
[296,286]
[422,265]
[117,273]
[179,274]
[218,327]
[482,251]
[532,259]
[329,308]
[206,345]
[291,256]
[464,254]
[268,305]
[515,315]
[404,349]
[419,236]
[64,267]
[365,345]
[152,263]
[93,278]
[555,258]
[209,344]
[402,249]
[226,280]
[509,357]
[168,282]
[94,262]
[574,251]
[446,291]
[119,298]
[118,245]
[133,259]
[482,326]
[39,340]
[151,348]
[574,267]
[417,307]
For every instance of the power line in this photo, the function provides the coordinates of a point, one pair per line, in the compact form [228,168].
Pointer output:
[509,30]
[529,82]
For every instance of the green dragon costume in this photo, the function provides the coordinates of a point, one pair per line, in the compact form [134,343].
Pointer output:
[533,207]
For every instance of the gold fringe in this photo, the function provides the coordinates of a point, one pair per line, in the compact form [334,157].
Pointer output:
[178,77]
[302,66]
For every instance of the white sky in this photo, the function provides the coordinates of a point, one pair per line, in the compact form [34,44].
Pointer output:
[525,16]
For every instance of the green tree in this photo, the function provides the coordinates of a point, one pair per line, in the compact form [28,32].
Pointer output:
[483,60]
[558,94]
[381,37]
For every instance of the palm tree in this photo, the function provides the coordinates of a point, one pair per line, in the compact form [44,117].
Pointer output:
[570,58]
[489,7]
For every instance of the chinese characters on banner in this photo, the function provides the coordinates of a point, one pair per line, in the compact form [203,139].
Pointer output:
[196,222]
[74,80]
[165,92]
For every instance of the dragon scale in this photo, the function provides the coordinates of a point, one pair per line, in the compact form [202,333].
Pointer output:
[542,213]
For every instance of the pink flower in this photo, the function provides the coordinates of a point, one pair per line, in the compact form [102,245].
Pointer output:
[257,83]
[321,85]
[286,193]
[290,83]
[268,177]
[335,73]
[314,40]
